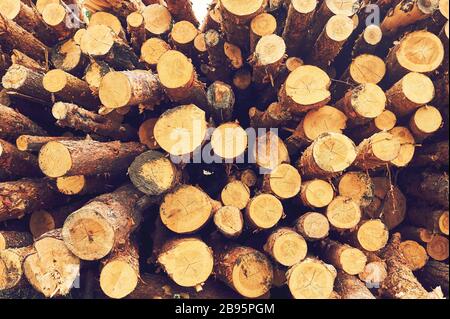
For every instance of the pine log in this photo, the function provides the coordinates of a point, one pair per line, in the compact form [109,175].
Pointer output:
[182,37]
[13,124]
[14,239]
[179,79]
[188,261]
[418,234]
[377,151]
[327,156]
[26,82]
[245,270]
[59,158]
[438,248]
[31,143]
[88,185]
[68,57]
[326,119]
[311,279]
[61,21]
[358,186]
[236,194]
[122,8]
[418,51]
[286,246]
[269,151]
[221,101]
[136,30]
[13,36]
[415,255]
[264,211]
[343,213]
[284,181]
[110,20]
[51,269]
[153,174]
[11,271]
[213,19]
[371,235]
[229,142]
[146,134]
[267,60]
[306,88]
[426,121]
[152,50]
[94,74]
[407,146]
[100,41]
[365,68]
[15,164]
[103,224]
[313,226]
[386,121]
[177,143]
[182,10]
[158,19]
[374,273]
[186,209]
[236,19]
[119,273]
[435,274]
[274,116]
[344,257]
[26,195]
[350,287]
[368,40]
[261,25]
[229,221]
[316,193]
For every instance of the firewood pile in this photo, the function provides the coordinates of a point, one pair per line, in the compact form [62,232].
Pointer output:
[277,149]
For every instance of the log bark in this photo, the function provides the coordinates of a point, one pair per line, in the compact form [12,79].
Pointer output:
[60,158]
[273,116]
[435,154]
[350,287]
[94,74]
[26,195]
[268,58]
[221,101]
[435,274]
[245,270]
[436,221]
[146,134]
[14,239]
[60,20]
[68,57]
[11,261]
[13,124]
[15,164]
[103,224]
[182,10]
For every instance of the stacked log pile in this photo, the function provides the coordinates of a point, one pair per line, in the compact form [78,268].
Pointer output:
[276,149]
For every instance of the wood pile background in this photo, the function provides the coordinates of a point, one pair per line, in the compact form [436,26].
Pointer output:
[348,199]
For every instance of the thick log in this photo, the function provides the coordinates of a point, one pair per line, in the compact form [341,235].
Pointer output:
[182,37]
[89,185]
[60,20]
[264,211]
[426,121]
[343,213]
[11,261]
[284,181]
[386,121]
[358,186]
[371,235]
[313,226]
[15,164]
[68,57]
[103,224]
[26,195]
[438,248]
[182,10]
[415,255]
[59,158]
[213,19]
[377,151]
[245,270]
[229,142]
[157,19]
[152,50]
[268,58]
[344,257]
[286,246]
[274,116]
[13,124]
[407,146]
[316,193]
[110,20]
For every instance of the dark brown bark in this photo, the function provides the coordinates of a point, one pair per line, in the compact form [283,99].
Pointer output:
[16,164]
[13,124]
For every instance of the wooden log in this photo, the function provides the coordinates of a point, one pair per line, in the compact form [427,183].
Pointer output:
[374,273]
[13,124]
[368,40]
[136,30]
[188,261]
[438,248]
[330,42]
[327,156]
[426,121]
[152,50]
[235,194]
[61,21]
[200,54]
[45,220]
[13,36]
[315,123]
[362,103]
[51,269]
[123,8]
[31,143]
[415,255]
[268,58]
[311,279]
[11,265]
[88,185]
[358,186]
[411,92]
[429,186]
[286,246]
[405,13]
[435,154]
[236,18]
[299,18]
[312,226]
[103,224]
[68,57]
[221,101]
[269,151]
[229,221]
[153,174]
[192,119]
[418,51]
[400,282]
[60,158]
[146,134]
[229,142]
[5,62]
[386,121]
[127,88]
[284,181]
[182,10]
[377,151]
[186,209]
[158,19]
[389,203]
[182,37]
[274,116]
[418,234]
[100,41]
[343,213]
[350,287]
[179,79]
[264,211]
[26,82]
[371,235]
[94,74]
[435,274]
[213,19]
[69,88]
[119,273]
[15,164]
[242,79]
[296,94]
[245,270]
[344,257]
[110,20]
[407,146]
[261,25]
[26,195]
[365,68]
[14,239]
[316,193]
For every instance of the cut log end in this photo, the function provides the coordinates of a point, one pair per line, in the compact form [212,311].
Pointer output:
[157,19]
[373,34]
[236,194]
[55,159]
[240,9]
[118,279]
[407,146]
[229,141]
[41,222]
[229,221]
[353,261]
[264,211]
[115,90]
[313,226]
[438,248]
[367,68]
[317,193]
[263,24]
[284,181]
[183,32]
[373,235]
[71,185]
[153,49]
[358,186]
[339,28]
[54,14]
[97,40]
[414,253]
[175,70]
[286,246]
[270,49]
[343,213]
